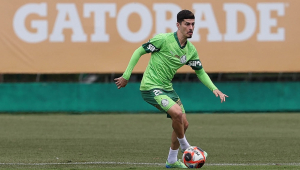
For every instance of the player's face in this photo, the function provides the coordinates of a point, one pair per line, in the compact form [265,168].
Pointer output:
[187,27]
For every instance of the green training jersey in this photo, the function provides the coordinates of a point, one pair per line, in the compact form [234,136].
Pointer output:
[167,56]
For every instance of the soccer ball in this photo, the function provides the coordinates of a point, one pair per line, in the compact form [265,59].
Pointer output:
[193,157]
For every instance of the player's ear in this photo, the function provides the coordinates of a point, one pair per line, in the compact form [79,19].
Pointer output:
[178,24]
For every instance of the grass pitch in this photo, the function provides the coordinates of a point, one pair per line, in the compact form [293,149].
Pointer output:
[142,141]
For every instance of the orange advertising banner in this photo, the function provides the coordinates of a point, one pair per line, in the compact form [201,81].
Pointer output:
[97,36]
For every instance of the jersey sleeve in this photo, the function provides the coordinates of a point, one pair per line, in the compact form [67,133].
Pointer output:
[154,44]
[204,78]
[133,61]
[195,62]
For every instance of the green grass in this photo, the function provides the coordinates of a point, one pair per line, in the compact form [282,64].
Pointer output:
[62,141]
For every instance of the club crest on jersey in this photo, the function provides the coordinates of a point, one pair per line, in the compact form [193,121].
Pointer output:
[183,59]
[164,102]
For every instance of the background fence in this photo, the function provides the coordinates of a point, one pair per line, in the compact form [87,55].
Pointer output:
[104,97]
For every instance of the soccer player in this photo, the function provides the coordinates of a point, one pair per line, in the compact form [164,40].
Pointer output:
[169,52]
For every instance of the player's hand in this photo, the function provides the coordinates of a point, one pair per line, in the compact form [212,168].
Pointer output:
[222,96]
[121,82]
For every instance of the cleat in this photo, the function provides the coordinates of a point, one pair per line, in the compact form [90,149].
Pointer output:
[205,154]
[177,164]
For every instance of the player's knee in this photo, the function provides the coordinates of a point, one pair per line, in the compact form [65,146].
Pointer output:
[177,116]
[186,125]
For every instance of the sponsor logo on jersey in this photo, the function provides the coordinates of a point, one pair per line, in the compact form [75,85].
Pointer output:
[174,55]
[152,48]
[194,63]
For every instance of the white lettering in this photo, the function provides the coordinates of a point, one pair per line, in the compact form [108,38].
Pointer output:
[151,48]
[198,63]
[40,25]
[99,10]
[161,17]
[205,9]
[64,10]
[165,21]
[122,22]
[194,63]
[157,92]
[266,22]
[232,10]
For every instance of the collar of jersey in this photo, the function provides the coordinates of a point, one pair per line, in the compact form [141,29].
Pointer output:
[175,35]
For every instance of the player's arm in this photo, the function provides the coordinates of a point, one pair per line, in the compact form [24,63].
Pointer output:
[123,80]
[196,65]
[151,46]
[204,78]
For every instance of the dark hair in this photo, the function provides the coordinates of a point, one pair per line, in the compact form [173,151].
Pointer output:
[184,14]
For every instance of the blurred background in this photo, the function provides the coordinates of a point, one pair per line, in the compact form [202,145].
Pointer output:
[63,56]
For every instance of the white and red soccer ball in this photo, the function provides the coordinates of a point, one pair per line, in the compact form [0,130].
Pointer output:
[193,157]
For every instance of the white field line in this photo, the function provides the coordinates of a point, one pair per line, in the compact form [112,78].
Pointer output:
[151,164]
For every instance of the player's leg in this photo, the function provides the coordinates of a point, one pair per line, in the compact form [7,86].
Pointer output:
[172,157]
[165,101]
[174,141]
[178,130]
[169,102]
[177,141]
[177,120]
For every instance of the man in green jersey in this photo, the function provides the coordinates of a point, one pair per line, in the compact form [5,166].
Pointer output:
[169,52]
